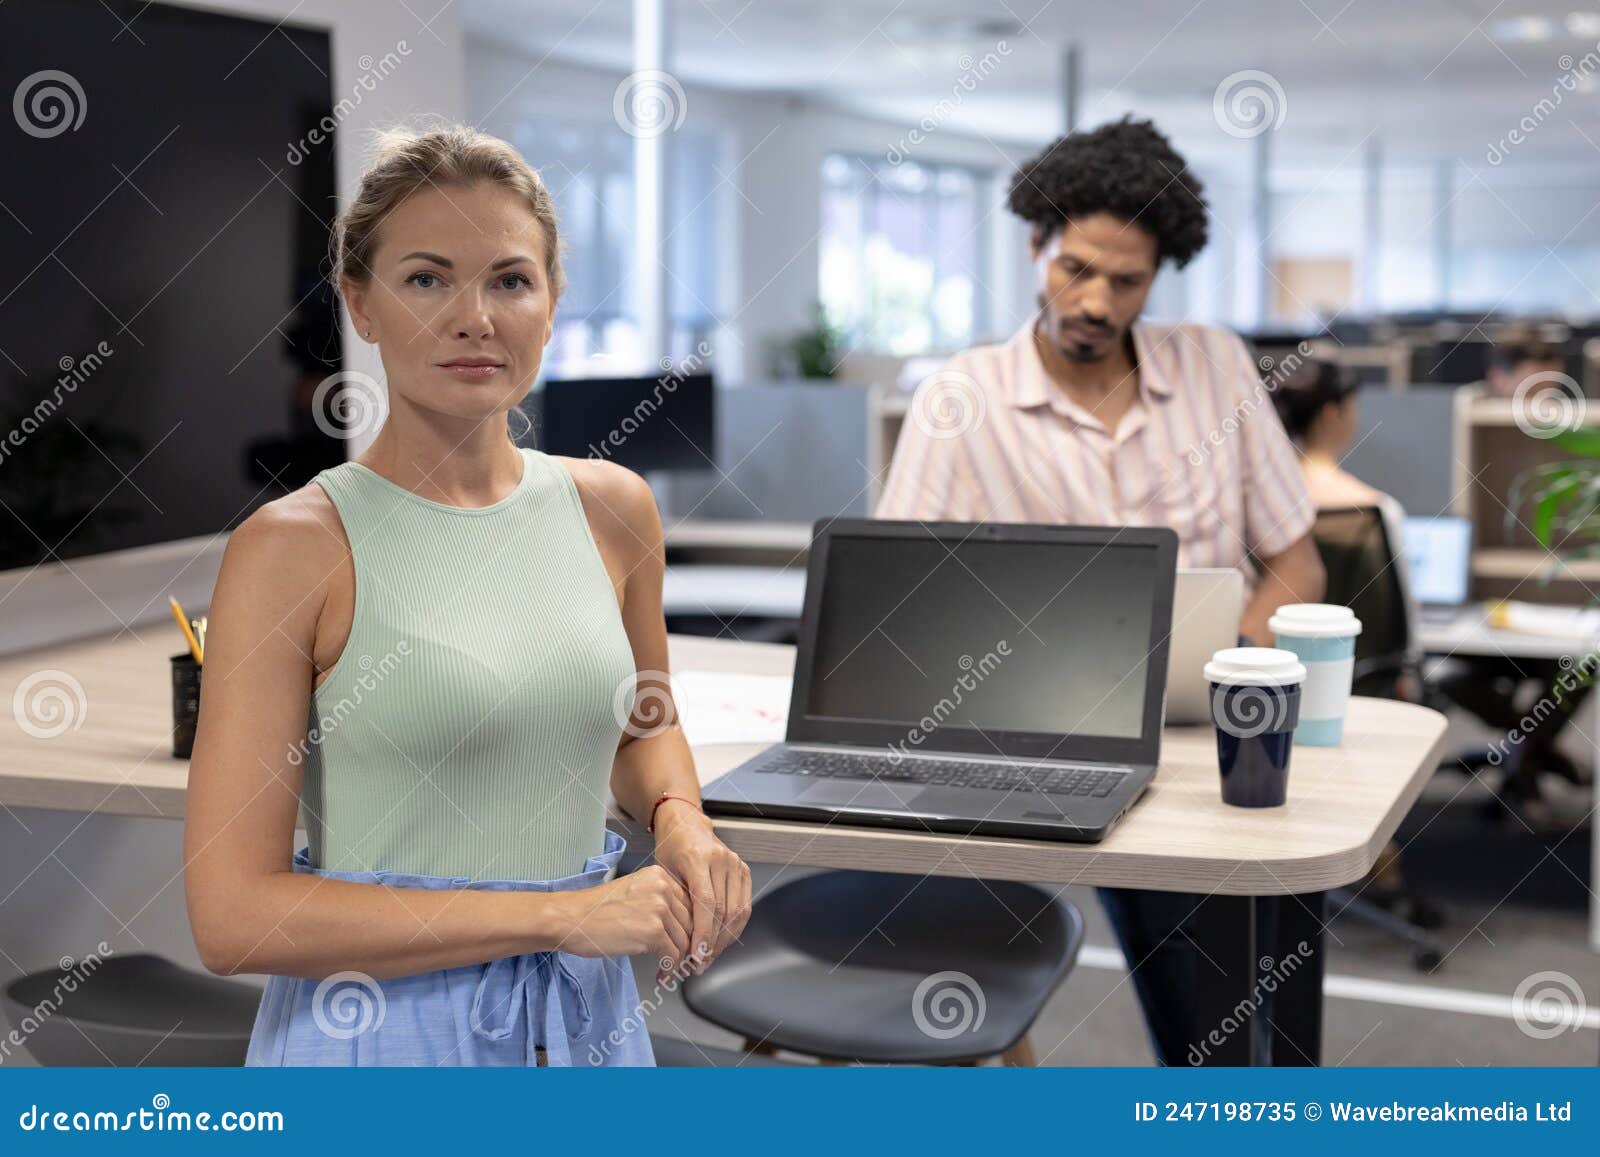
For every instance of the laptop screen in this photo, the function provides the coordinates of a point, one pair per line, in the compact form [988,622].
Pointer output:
[927,633]
[1438,559]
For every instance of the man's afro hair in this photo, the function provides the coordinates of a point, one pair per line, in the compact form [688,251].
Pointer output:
[1125,168]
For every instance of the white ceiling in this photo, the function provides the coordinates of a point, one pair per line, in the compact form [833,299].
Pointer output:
[1431,79]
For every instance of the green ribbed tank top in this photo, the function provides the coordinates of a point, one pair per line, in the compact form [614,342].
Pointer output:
[469,725]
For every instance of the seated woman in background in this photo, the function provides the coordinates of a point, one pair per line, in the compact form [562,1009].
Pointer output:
[1317,404]
[1318,407]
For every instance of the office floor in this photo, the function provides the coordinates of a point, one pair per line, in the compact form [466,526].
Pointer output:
[1516,905]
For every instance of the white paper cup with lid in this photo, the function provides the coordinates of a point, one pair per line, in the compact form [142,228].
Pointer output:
[1323,635]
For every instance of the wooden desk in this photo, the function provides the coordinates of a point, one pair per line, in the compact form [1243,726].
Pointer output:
[1344,804]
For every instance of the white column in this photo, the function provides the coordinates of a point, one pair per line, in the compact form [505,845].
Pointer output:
[1261,228]
[1371,224]
[1071,87]
[1444,193]
[651,52]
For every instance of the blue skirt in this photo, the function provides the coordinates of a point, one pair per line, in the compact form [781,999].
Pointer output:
[540,1008]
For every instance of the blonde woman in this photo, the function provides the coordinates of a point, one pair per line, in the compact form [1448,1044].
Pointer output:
[473,632]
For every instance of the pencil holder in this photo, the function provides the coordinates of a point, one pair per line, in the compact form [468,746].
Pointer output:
[185,703]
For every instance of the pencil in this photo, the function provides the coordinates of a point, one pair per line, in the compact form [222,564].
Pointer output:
[183,625]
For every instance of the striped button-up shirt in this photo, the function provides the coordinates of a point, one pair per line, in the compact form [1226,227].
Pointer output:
[991,438]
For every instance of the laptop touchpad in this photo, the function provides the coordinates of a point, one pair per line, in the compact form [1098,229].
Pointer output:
[857,794]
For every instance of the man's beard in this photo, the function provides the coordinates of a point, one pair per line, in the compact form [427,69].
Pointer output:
[1081,352]
[1078,351]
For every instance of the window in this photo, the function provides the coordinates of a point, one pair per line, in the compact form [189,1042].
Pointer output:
[589,171]
[902,253]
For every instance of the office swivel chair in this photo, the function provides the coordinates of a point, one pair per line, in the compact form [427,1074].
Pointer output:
[886,968]
[132,1010]
[1362,574]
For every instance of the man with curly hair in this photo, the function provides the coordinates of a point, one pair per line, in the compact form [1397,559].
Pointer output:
[1088,415]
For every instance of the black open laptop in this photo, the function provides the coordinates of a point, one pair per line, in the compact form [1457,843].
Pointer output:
[991,678]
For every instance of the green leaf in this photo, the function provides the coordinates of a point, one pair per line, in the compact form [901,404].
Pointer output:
[1584,441]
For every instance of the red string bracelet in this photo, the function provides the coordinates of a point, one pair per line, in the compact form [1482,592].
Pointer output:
[661,799]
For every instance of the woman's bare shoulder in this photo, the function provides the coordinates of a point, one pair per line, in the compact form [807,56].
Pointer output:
[618,501]
[1334,487]
[296,540]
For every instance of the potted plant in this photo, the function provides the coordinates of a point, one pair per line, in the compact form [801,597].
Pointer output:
[817,352]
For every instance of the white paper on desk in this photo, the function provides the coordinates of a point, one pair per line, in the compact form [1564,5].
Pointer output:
[1574,623]
[724,707]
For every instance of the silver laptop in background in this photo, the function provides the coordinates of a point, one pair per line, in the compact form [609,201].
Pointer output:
[1207,603]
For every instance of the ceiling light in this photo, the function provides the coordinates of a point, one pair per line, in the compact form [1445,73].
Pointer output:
[1522,29]
[960,30]
[1585,25]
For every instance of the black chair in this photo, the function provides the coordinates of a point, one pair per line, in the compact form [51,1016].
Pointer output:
[884,968]
[675,1053]
[1362,570]
[1363,575]
[132,1011]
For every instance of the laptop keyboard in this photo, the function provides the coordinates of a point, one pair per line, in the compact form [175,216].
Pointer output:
[1047,779]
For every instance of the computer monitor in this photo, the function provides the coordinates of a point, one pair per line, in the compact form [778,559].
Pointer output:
[1438,557]
[658,423]
[125,376]
[1456,362]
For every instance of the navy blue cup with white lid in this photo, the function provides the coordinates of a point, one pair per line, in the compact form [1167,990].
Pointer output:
[1255,705]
